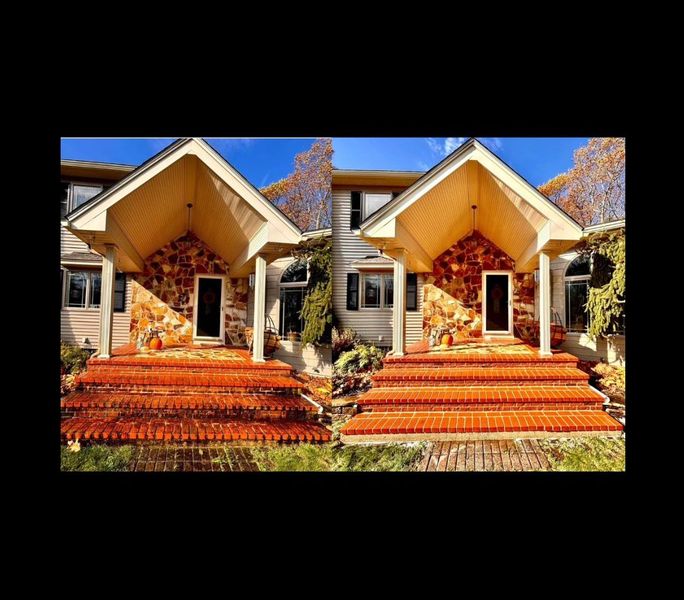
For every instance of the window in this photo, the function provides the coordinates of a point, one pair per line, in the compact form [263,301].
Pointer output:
[577,279]
[83,289]
[355,214]
[80,194]
[374,202]
[293,284]
[377,290]
[64,205]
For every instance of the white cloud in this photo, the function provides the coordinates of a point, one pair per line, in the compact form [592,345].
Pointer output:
[423,166]
[450,144]
[447,147]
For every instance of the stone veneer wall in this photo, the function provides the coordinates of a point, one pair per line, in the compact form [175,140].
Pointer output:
[162,296]
[452,294]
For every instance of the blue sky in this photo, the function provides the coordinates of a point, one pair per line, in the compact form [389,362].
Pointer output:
[536,159]
[261,161]
[264,161]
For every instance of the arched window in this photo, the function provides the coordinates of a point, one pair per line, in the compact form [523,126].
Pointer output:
[293,283]
[577,277]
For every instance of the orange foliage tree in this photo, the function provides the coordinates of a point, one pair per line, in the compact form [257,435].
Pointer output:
[593,190]
[305,195]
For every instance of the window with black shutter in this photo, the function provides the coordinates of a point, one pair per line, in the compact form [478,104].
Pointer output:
[352,291]
[355,216]
[120,292]
[411,291]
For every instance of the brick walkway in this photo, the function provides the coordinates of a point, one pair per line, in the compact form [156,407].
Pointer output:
[485,455]
[193,458]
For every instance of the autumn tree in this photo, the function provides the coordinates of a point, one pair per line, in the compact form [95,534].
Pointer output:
[305,195]
[593,190]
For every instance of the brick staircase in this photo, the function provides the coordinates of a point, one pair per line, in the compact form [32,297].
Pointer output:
[506,392]
[140,398]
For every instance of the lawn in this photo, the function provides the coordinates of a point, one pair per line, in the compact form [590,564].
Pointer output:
[98,458]
[585,454]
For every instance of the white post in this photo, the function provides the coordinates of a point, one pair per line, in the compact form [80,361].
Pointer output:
[545,305]
[259,309]
[107,301]
[399,310]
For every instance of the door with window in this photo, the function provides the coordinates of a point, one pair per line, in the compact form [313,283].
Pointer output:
[209,324]
[497,303]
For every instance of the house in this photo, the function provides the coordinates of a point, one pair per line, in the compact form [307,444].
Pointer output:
[364,277]
[464,252]
[81,275]
[182,245]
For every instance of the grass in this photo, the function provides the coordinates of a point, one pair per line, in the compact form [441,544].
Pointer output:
[585,454]
[98,458]
[300,457]
[383,457]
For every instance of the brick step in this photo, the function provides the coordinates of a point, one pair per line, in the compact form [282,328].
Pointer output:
[479,423]
[473,376]
[484,406]
[481,398]
[194,430]
[186,383]
[243,406]
[122,367]
[447,359]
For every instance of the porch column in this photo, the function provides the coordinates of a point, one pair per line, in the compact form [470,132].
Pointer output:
[544,304]
[259,309]
[107,301]
[399,310]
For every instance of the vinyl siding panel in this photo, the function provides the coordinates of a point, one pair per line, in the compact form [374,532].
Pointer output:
[372,325]
[77,324]
[610,350]
[70,243]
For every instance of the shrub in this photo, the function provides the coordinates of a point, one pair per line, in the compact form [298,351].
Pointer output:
[343,340]
[98,458]
[73,358]
[363,357]
[353,369]
[612,381]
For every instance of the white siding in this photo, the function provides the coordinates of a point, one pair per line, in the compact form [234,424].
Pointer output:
[610,350]
[77,324]
[372,325]
[70,243]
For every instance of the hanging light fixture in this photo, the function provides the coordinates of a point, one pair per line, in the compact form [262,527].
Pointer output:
[474,207]
[189,205]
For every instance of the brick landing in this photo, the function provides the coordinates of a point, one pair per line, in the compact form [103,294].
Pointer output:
[479,390]
[188,393]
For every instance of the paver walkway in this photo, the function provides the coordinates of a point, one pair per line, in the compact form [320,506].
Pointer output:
[485,455]
[171,458]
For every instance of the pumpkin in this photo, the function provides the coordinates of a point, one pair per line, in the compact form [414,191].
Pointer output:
[447,339]
[156,343]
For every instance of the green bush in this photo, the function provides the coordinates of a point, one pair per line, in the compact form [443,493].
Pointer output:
[362,358]
[343,340]
[73,358]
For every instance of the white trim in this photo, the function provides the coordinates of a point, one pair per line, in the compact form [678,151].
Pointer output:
[222,336]
[497,332]
[364,213]
[362,287]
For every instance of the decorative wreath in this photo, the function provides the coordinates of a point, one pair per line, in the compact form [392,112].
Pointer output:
[209,297]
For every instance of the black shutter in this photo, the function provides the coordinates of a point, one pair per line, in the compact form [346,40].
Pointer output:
[411,291]
[352,291]
[355,215]
[395,194]
[120,292]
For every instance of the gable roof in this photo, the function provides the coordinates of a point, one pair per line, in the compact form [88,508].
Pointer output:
[445,168]
[261,200]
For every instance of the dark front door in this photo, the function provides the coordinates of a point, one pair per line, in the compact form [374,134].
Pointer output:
[208,316]
[496,303]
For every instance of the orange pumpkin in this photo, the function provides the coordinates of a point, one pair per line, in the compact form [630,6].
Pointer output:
[156,343]
[447,339]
